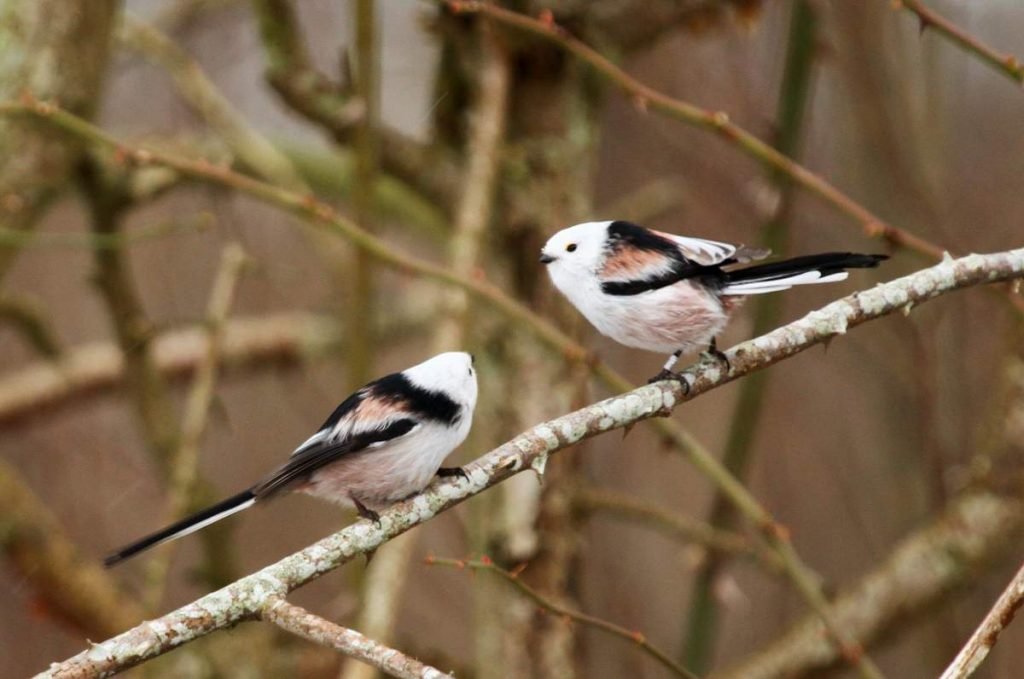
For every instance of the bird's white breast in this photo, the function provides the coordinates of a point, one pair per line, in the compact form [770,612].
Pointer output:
[392,471]
[682,316]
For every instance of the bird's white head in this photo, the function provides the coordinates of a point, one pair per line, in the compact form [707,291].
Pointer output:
[451,373]
[574,255]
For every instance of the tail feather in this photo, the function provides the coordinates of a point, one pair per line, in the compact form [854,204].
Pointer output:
[181,528]
[827,267]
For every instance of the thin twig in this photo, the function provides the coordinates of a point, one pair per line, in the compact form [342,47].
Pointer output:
[645,97]
[679,526]
[185,459]
[28,318]
[473,211]
[386,575]
[974,652]
[244,599]
[558,609]
[301,622]
[128,319]
[1005,63]
[252,148]
[358,276]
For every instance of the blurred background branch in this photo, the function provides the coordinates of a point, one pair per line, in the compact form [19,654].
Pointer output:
[566,614]
[1007,64]
[457,142]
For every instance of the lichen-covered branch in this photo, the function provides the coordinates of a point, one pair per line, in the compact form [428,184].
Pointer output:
[245,598]
[977,648]
[256,343]
[633,636]
[301,622]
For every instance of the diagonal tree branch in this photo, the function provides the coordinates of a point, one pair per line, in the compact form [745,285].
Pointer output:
[301,622]
[679,526]
[1007,64]
[970,657]
[254,150]
[244,599]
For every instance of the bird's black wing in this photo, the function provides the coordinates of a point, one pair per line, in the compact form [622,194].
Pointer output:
[312,457]
[640,260]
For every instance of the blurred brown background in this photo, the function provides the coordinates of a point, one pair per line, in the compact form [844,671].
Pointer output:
[857,445]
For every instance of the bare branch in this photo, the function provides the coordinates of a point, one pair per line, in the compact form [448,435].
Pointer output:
[244,599]
[1007,64]
[310,93]
[321,214]
[473,212]
[56,50]
[97,368]
[984,638]
[679,526]
[31,323]
[301,622]
[923,568]
[714,121]
[254,150]
[633,636]
[184,460]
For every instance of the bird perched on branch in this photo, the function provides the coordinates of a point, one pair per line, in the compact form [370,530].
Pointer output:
[672,294]
[382,444]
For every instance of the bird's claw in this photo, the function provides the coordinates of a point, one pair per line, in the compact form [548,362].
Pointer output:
[445,472]
[366,512]
[714,353]
[666,374]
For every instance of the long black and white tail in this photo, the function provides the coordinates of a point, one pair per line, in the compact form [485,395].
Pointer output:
[189,524]
[827,267]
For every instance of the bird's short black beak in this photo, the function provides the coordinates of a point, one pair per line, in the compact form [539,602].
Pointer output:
[545,258]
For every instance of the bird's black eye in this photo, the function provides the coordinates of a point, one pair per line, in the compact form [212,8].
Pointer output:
[571,247]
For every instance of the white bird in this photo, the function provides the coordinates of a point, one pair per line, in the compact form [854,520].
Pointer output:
[671,294]
[382,444]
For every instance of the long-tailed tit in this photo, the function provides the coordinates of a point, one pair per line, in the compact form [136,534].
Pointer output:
[382,444]
[671,294]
